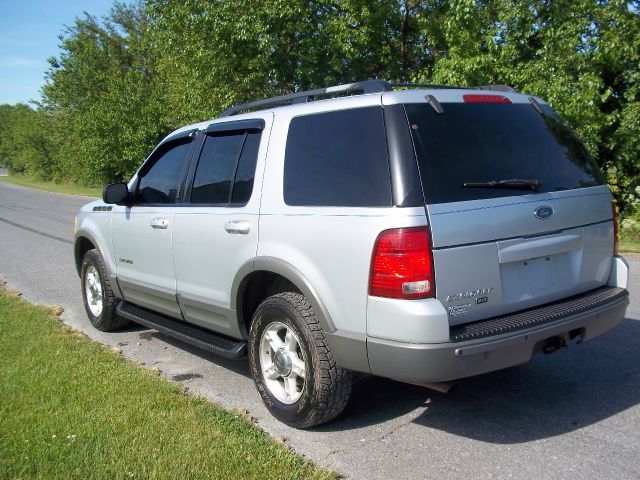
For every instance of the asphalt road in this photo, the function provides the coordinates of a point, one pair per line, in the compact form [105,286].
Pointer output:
[573,414]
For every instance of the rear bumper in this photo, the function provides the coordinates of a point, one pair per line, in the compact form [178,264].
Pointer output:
[500,342]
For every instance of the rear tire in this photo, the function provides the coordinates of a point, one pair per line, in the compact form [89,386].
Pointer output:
[99,301]
[292,365]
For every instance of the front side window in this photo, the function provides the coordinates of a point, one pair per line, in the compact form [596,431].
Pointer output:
[226,169]
[160,181]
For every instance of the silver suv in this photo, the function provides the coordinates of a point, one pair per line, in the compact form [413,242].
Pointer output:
[417,232]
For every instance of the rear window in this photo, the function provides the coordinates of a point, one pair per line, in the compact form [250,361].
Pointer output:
[338,159]
[478,143]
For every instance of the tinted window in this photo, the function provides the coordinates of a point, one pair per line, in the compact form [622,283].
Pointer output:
[216,168]
[338,159]
[476,143]
[243,184]
[226,169]
[160,182]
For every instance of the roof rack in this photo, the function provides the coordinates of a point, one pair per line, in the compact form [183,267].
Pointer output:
[497,88]
[368,86]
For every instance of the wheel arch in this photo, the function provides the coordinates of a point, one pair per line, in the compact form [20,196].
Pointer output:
[85,241]
[272,269]
[84,238]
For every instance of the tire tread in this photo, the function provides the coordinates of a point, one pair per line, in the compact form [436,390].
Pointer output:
[335,382]
[109,321]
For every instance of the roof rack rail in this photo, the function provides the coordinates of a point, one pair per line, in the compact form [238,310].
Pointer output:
[368,86]
[422,85]
[497,88]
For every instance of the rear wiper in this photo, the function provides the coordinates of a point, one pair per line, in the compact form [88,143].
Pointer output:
[516,183]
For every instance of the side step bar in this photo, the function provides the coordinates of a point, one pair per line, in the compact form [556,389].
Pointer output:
[190,334]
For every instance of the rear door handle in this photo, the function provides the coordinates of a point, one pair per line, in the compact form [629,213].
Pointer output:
[237,227]
[159,223]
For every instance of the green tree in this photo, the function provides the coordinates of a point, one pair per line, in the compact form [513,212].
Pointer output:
[582,56]
[215,54]
[125,80]
[105,91]
[26,141]
[5,119]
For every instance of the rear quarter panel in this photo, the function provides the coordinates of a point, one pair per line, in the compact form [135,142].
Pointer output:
[331,246]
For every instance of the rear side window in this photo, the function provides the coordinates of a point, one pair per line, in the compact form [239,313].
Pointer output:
[160,181]
[478,143]
[226,169]
[338,159]
[243,184]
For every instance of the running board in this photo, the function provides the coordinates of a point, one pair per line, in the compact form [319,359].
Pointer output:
[190,334]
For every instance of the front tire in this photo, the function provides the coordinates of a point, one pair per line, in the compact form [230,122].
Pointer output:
[292,365]
[99,301]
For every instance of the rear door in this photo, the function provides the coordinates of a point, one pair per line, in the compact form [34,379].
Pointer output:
[216,229]
[519,213]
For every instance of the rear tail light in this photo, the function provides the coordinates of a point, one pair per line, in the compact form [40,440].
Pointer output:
[483,98]
[401,266]
[614,212]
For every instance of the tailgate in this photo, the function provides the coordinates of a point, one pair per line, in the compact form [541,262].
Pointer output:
[493,257]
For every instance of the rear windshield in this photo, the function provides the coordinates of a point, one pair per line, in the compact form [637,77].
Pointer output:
[488,142]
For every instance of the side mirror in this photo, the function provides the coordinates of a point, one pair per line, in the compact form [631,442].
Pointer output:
[115,193]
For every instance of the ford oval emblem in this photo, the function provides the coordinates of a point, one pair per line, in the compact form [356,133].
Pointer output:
[543,212]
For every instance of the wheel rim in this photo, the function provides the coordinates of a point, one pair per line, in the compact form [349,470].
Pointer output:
[93,291]
[283,368]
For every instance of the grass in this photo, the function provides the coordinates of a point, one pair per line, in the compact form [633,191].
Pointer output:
[71,408]
[63,187]
[629,244]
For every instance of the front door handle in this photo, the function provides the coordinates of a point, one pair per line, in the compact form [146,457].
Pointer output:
[237,227]
[159,223]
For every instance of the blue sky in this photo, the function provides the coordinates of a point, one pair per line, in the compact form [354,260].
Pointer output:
[29,32]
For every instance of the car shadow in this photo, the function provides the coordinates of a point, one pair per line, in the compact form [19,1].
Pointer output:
[133,327]
[376,400]
[552,395]
[369,404]
[240,366]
